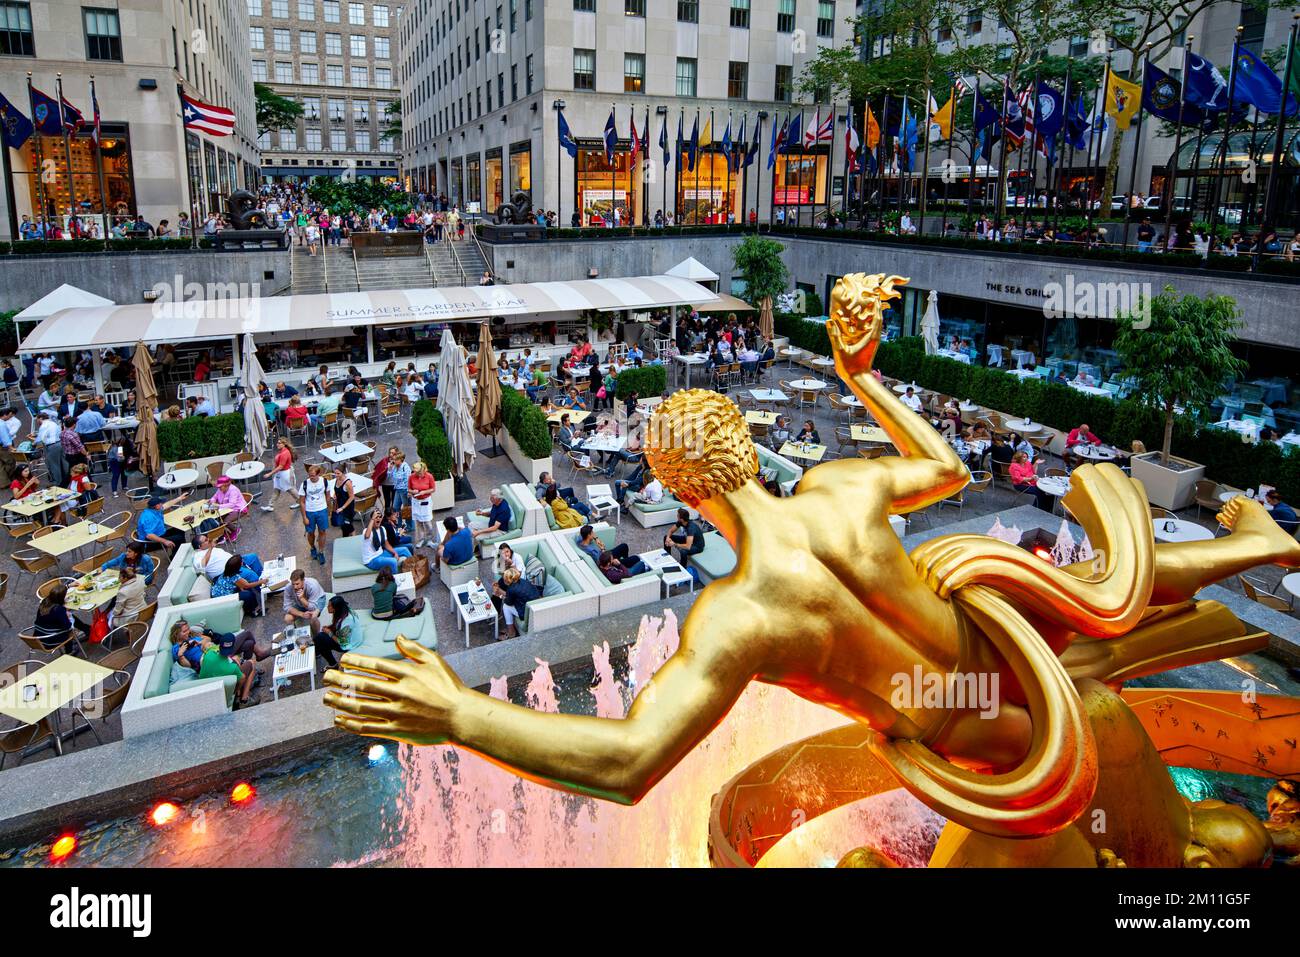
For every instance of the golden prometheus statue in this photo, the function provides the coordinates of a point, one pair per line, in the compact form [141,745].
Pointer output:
[824,601]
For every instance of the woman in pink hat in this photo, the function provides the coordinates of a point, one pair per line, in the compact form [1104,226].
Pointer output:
[229,496]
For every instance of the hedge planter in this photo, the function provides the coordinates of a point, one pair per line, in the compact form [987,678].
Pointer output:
[1171,488]
[444,494]
[530,469]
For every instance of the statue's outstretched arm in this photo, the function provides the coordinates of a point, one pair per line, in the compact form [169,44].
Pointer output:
[420,700]
[929,471]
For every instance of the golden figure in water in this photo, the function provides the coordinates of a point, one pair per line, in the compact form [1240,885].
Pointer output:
[824,601]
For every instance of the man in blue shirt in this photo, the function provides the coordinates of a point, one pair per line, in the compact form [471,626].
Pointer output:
[134,557]
[1283,513]
[205,407]
[498,516]
[284,391]
[90,425]
[151,529]
[589,543]
[431,387]
[634,353]
[457,545]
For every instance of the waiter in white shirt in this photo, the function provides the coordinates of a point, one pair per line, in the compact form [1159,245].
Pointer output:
[49,436]
[912,400]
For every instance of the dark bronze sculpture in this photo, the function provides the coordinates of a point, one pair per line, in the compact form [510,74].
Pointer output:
[241,209]
[516,212]
[249,228]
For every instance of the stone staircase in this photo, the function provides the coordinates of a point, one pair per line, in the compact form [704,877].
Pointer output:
[331,270]
[393,272]
[336,270]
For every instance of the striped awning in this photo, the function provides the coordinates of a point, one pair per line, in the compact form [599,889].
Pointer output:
[169,320]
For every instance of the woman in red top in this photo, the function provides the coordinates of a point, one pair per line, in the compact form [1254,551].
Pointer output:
[1024,479]
[296,415]
[202,368]
[24,482]
[421,485]
[282,477]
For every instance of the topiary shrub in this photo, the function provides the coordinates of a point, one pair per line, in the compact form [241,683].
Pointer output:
[645,381]
[526,424]
[431,438]
[201,437]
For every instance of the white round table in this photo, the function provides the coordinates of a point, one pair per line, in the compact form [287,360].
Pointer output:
[852,401]
[1023,426]
[969,407]
[1054,486]
[243,471]
[823,362]
[808,385]
[1180,530]
[1292,584]
[1227,497]
[178,478]
[902,387]
[1094,453]
[791,351]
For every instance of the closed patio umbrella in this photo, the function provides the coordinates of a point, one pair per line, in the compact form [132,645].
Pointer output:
[256,429]
[487,403]
[766,325]
[930,324]
[456,402]
[146,403]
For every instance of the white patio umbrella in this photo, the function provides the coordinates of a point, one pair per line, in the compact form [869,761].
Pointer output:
[456,403]
[930,324]
[256,430]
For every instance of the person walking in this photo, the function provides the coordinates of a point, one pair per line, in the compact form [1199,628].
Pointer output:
[313,503]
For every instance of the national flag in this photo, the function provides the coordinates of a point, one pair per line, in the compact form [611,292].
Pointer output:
[663,140]
[610,138]
[693,146]
[794,135]
[778,141]
[1013,117]
[706,135]
[1049,113]
[872,129]
[71,115]
[1259,86]
[934,132]
[45,112]
[1077,124]
[985,113]
[681,143]
[1293,81]
[753,146]
[1206,86]
[1098,127]
[726,141]
[942,120]
[1162,96]
[905,147]
[567,142]
[205,117]
[94,106]
[961,85]
[16,127]
[1123,100]
[822,131]
[636,140]
[739,147]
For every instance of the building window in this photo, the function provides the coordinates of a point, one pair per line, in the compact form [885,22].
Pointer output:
[283,72]
[339,141]
[360,76]
[312,140]
[688,11]
[282,41]
[784,83]
[1078,47]
[381,48]
[103,34]
[974,21]
[311,108]
[685,76]
[634,8]
[333,74]
[310,73]
[737,80]
[528,74]
[263,141]
[633,72]
[362,138]
[307,42]
[280,9]
[357,45]
[379,13]
[288,139]
[333,44]
[254,8]
[785,16]
[16,30]
[514,14]
[307,10]
[584,69]
[337,107]
[584,6]
[514,82]
[740,14]
[357,14]
[383,77]
[1180,30]
[360,111]
[826,18]
[256,38]
[331,9]
[259,71]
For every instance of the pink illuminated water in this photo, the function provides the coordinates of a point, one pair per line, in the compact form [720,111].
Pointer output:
[460,810]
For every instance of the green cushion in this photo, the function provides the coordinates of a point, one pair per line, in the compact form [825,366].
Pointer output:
[667,502]
[379,636]
[347,558]
[768,459]
[183,585]
[718,558]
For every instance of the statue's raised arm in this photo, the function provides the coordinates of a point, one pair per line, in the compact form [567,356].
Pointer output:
[929,471]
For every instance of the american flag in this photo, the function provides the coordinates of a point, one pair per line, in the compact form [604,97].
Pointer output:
[206,118]
[960,85]
[1028,101]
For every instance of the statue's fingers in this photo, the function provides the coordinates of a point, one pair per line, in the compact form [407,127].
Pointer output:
[413,650]
[376,666]
[350,684]
[369,729]
[361,707]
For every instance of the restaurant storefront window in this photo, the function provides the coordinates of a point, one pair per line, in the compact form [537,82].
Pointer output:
[800,180]
[194,164]
[711,191]
[457,180]
[210,168]
[474,184]
[602,188]
[495,180]
[47,153]
[521,169]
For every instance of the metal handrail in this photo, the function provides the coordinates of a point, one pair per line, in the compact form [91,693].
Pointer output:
[428,261]
[356,269]
[451,245]
[325,265]
[478,244]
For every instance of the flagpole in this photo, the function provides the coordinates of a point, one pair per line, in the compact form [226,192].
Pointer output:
[1032,110]
[1270,194]
[613,168]
[11,195]
[39,155]
[880,164]
[677,168]
[726,219]
[848,172]
[861,209]
[830,164]
[1248,207]
[1171,173]
[947,165]
[1061,165]
[900,152]
[99,162]
[1137,146]
[1100,110]
[758,174]
[67,155]
[1020,152]
[645,184]
[189,173]
[1227,132]
[771,199]
[925,168]
[559,171]
[999,191]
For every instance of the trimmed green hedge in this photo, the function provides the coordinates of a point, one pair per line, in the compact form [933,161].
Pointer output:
[525,423]
[431,438]
[49,247]
[201,436]
[624,232]
[1226,458]
[646,381]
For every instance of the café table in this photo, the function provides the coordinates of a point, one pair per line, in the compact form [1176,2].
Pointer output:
[243,471]
[760,418]
[955,355]
[178,478]
[902,387]
[576,416]
[823,362]
[1022,373]
[1022,358]
[1089,389]
[474,605]
[58,684]
[603,443]
[1180,530]
[669,570]
[361,484]
[188,517]
[769,395]
[71,537]
[1053,485]
[1023,426]
[1248,430]
[803,450]
[869,433]
[38,502]
[121,423]
[1226,497]
[808,385]
[298,660]
[104,584]
[790,352]
[1095,453]
[688,360]
[1291,583]
[343,451]
[276,572]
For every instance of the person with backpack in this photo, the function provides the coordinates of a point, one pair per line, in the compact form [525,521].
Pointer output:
[314,503]
[382,477]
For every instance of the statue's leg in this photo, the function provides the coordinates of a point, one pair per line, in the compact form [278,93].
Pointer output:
[1185,568]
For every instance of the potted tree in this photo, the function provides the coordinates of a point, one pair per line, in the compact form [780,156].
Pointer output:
[1177,350]
[759,262]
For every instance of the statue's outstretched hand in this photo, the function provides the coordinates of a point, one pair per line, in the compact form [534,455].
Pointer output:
[856,320]
[411,700]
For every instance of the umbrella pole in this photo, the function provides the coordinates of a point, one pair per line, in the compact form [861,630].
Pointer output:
[494,452]
[464,491]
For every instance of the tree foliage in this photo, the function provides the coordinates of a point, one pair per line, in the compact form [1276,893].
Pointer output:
[274,112]
[758,260]
[1179,353]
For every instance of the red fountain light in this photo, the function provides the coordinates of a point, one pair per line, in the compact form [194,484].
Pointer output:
[242,793]
[163,814]
[63,847]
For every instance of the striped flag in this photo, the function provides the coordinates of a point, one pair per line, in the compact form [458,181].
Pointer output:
[206,118]
[94,105]
[822,131]
[960,85]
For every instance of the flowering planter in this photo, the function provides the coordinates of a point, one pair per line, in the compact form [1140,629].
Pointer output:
[530,469]
[1171,488]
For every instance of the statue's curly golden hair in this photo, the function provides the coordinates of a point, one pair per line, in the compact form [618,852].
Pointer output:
[698,445]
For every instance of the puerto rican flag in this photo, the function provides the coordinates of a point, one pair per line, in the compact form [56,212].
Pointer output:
[1027,104]
[636,140]
[822,131]
[851,142]
[206,118]
[71,115]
